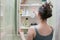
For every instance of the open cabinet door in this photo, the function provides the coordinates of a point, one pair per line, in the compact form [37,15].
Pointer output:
[7,27]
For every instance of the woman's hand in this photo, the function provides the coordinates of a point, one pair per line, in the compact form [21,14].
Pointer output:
[34,10]
[20,30]
[22,34]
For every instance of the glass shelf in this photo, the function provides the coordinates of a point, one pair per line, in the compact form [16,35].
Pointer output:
[27,10]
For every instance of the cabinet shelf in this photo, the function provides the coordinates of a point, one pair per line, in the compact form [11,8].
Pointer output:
[23,27]
[31,4]
[25,16]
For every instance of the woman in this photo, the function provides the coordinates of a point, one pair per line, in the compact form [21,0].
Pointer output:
[42,31]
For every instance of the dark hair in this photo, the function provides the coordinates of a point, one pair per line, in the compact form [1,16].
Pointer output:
[45,11]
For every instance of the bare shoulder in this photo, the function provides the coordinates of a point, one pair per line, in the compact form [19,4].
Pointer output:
[31,31]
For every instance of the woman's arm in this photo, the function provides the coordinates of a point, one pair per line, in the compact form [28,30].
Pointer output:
[22,34]
[30,34]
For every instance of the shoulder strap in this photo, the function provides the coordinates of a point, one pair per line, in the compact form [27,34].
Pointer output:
[36,31]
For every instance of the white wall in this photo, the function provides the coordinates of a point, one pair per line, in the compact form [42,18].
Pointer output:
[56,17]
[57,37]
[52,20]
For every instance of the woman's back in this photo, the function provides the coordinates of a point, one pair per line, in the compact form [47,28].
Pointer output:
[44,31]
[41,37]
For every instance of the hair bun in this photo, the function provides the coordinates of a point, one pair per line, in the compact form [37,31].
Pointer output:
[45,10]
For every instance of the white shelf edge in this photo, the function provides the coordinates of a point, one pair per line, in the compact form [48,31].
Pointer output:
[30,4]
[25,15]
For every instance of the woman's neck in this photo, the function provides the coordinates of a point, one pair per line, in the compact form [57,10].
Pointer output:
[43,23]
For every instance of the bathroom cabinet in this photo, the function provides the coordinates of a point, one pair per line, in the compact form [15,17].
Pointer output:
[24,10]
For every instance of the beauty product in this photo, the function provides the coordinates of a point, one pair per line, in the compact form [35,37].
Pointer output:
[26,23]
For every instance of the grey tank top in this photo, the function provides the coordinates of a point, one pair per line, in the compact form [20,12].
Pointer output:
[40,37]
